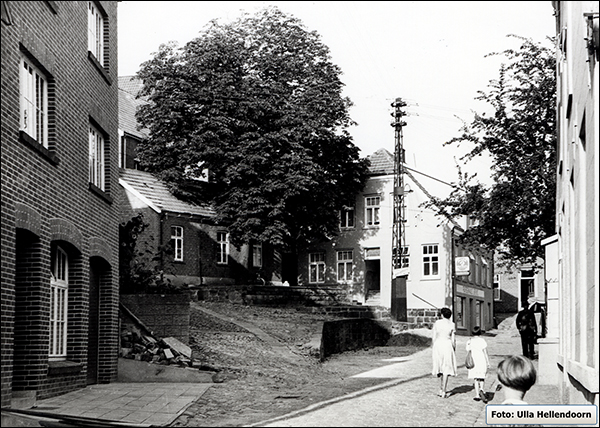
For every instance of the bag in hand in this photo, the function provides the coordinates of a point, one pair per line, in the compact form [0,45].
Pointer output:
[469,363]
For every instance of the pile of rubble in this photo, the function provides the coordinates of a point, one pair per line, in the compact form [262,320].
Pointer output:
[136,345]
[139,343]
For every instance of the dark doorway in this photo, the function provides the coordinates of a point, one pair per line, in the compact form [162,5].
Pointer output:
[289,268]
[30,333]
[372,281]
[96,269]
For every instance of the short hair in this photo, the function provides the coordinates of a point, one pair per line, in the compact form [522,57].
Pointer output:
[476,331]
[517,372]
[446,312]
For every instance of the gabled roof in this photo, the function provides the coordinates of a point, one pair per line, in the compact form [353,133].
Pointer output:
[158,196]
[130,84]
[382,163]
[129,88]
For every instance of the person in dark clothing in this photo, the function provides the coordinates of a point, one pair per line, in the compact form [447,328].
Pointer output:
[527,327]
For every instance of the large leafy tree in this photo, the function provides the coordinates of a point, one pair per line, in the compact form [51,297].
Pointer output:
[517,211]
[258,103]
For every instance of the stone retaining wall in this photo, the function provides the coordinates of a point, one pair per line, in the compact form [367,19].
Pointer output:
[273,295]
[351,334]
[419,318]
[166,315]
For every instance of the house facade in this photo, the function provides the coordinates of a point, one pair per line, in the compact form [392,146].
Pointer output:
[59,185]
[577,202]
[198,251]
[514,285]
[359,259]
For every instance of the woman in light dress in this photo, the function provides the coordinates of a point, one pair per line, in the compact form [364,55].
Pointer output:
[444,345]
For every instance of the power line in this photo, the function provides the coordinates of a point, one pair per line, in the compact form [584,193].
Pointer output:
[429,176]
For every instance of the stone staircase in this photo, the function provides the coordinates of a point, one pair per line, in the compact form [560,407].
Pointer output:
[373,298]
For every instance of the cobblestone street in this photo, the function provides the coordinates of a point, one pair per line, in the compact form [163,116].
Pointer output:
[410,399]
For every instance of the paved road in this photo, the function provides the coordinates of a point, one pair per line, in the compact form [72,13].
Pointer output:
[409,398]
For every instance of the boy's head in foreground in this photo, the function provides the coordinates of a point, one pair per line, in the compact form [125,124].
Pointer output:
[517,372]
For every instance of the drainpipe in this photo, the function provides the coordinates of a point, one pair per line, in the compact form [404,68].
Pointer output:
[453,277]
[160,245]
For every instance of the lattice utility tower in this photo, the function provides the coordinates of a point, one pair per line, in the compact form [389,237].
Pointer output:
[398,294]
[398,239]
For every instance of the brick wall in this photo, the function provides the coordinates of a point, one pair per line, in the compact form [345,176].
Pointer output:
[46,198]
[165,315]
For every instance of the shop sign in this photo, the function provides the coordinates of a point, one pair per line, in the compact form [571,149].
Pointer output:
[461,266]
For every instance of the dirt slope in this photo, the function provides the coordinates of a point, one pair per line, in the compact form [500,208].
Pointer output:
[269,374]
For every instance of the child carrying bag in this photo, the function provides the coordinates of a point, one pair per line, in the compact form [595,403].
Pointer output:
[469,363]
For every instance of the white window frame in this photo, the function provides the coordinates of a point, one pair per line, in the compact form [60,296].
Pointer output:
[531,279]
[96,157]
[478,314]
[484,273]
[460,311]
[496,287]
[372,208]
[223,248]
[316,268]
[344,266]
[177,243]
[257,255]
[96,32]
[33,102]
[431,261]
[347,218]
[405,261]
[59,295]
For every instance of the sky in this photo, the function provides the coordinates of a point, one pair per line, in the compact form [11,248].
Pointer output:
[430,54]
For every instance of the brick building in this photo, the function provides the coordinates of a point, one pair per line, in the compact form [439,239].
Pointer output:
[59,183]
[200,252]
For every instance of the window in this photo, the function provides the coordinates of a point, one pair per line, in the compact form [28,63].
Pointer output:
[478,313]
[430,260]
[460,312]
[96,158]
[177,243]
[257,255]
[59,293]
[372,210]
[496,287]
[405,262]
[223,248]
[33,104]
[473,269]
[528,283]
[96,32]
[484,273]
[316,268]
[344,266]
[347,218]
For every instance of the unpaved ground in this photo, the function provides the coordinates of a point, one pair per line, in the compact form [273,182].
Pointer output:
[267,378]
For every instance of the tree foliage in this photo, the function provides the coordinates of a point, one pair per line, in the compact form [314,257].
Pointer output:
[258,103]
[517,211]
